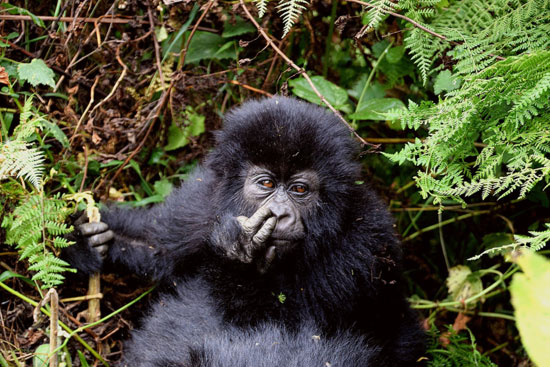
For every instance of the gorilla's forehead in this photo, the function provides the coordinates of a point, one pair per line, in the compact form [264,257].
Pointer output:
[285,134]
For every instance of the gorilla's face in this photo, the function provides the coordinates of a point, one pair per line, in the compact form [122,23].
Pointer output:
[285,199]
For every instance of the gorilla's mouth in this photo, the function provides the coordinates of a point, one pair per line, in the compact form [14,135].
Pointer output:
[282,242]
[286,244]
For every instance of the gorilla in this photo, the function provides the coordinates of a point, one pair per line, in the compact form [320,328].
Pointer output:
[278,252]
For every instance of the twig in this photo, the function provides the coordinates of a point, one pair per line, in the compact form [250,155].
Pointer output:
[119,80]
[302,72]
[85,170]
[246,86]
[156,44]
[103,19]
[53,298]
[414,23]
[82,298]
[92,96]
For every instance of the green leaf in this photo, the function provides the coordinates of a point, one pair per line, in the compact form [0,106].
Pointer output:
[12,9]
[237,28]
[178,137]
[173,45]
[82,358]
[336,96]
[10,274]
[530,292]
[40,358]
[161,33]
[374,109]
[207,45]
[36,72]
[395,54]
[462,283]
[374,90]
[56,132]
[163,187]
[446,81]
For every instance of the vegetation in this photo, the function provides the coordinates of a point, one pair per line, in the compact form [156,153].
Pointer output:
[450,98]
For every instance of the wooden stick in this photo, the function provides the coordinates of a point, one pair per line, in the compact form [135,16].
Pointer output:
[94,283]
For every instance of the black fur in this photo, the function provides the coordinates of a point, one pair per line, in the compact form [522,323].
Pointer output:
[344,279]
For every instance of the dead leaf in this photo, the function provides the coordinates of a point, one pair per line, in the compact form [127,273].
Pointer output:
[4,76]
[460,322]
[95,138]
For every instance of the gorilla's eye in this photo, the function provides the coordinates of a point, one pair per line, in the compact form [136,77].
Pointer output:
[299,188]
[267,183]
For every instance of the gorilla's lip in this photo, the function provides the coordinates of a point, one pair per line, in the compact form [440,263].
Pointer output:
[284,242]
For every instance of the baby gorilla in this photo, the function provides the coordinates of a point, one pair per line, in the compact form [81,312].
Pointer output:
[285,243]
[188,330]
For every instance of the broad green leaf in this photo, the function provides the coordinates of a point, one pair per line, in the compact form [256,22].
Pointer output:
[463,283]
[56,132]
[178,136]
[163,187]
[530,292]
[395,54]
[379,47]
[445,81]
[237,28]
[40,358]
[173,45]
[374,90]
[36,72]
[336,96]
[10,274]
[374,109]
[12,9]
[207,45]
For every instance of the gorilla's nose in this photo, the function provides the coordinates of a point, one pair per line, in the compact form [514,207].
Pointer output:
[289,225]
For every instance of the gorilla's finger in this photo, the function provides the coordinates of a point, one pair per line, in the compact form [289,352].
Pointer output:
[88,229]
[82,218]
[101,238]
[102,250]
[257,219]
[265,231]
[269,256]
[242,220]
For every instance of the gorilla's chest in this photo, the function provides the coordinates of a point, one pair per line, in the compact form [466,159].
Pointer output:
[246,298]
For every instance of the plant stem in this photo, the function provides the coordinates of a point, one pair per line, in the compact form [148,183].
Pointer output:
[369,79]
[448,221]
[68,329]
[329,37]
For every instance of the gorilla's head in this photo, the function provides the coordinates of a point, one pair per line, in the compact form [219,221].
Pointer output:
[292,158]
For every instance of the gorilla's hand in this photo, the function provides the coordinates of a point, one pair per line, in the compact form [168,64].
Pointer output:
[91,247]
[251,245]
[93,235]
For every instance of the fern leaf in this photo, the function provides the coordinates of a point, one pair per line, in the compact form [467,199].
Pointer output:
[262,7]
[290,10]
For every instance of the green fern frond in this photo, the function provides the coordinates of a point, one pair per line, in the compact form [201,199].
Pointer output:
[537,240]
[17,159]
[376,13]
[290,11]
[262,7]
[36,228]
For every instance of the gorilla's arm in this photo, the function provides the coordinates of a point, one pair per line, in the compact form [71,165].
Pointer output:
[151,242]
